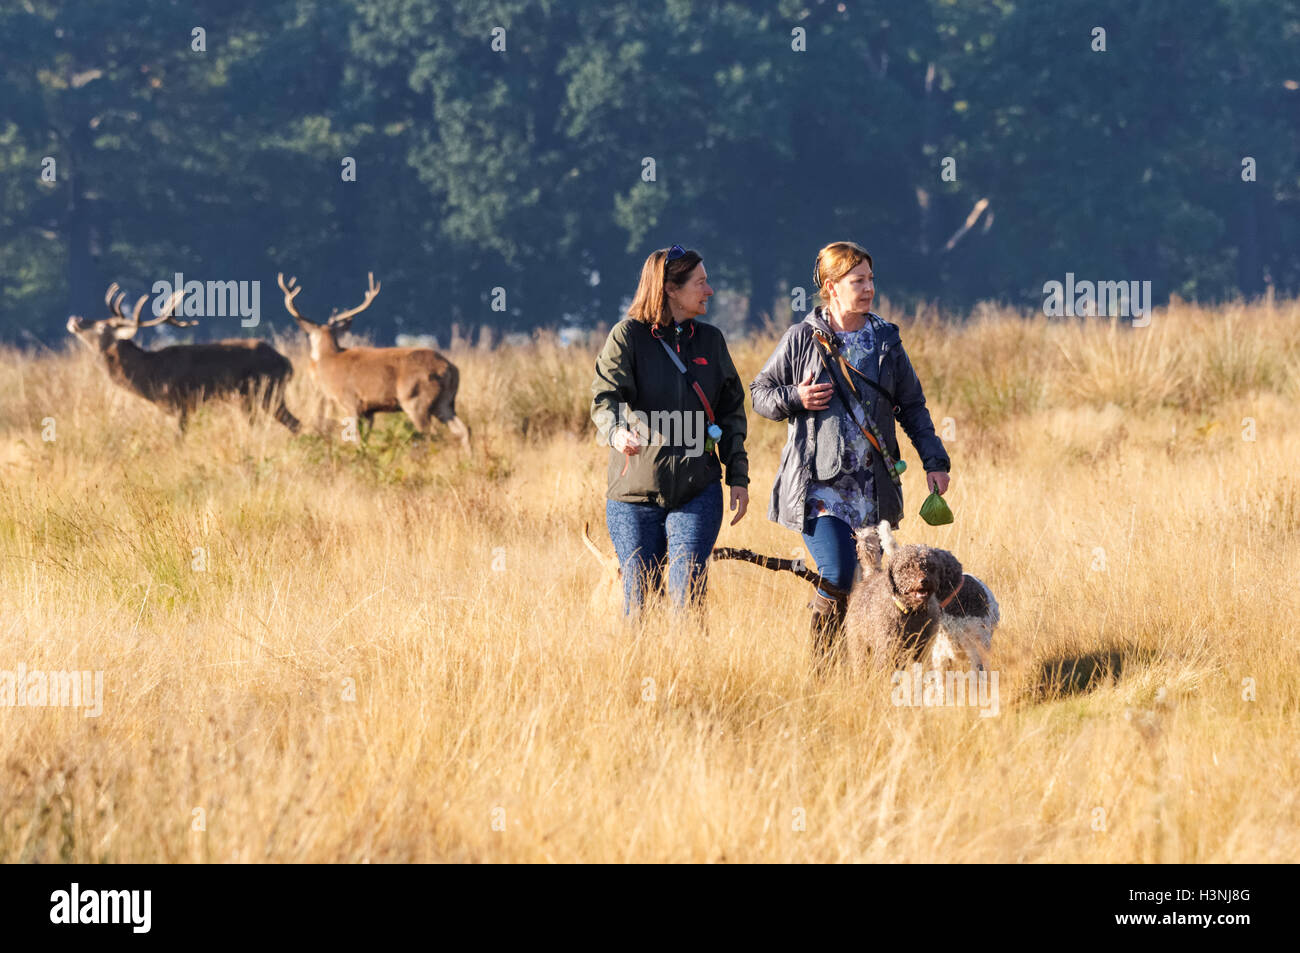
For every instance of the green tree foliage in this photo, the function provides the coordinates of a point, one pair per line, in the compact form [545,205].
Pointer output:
[507,146]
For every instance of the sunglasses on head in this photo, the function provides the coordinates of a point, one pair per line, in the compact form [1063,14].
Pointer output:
[677,251]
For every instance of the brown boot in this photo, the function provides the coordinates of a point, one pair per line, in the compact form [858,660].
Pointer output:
[827,620]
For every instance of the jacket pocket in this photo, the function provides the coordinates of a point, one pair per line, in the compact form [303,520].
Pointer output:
[828,446]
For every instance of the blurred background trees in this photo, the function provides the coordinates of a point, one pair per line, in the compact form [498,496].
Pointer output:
[769,130]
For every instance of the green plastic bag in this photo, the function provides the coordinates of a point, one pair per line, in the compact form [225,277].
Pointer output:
[935,511]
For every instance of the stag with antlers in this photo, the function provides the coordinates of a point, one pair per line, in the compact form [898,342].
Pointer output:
[180,377]
[364,381]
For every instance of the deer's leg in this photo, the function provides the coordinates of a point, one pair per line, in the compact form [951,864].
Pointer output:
[418,411]
[461,430]
[273,401]
[445,410]
[266,396]
[282,414]
[365,424]
[249,399]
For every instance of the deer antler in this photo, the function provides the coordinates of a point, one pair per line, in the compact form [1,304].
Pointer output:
[346,316]
[114,299]
[291,291]
[168,315]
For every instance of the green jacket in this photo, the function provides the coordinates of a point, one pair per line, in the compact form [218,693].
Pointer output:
[638,383]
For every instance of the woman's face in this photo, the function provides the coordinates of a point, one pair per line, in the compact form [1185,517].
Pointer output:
[856,290]
[692,298]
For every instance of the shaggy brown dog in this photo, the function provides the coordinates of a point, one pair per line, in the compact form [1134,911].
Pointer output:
[914,603]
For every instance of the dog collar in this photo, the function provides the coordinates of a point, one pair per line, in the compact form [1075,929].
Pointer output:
[953,595]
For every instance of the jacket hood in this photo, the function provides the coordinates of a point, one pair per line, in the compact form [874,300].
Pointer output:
[815,319]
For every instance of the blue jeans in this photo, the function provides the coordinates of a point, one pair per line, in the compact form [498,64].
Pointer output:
[644,534]
[834,550]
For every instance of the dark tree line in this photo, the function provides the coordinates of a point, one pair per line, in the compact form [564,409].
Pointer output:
[510,146]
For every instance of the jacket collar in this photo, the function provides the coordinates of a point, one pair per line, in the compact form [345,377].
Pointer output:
[816,317]
[685,328]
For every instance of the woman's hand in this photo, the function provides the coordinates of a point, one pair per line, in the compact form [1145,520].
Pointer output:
[814,396]
[627,441]
[739,503]
[937,480]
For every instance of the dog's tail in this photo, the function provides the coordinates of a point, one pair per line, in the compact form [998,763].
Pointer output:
[609,563]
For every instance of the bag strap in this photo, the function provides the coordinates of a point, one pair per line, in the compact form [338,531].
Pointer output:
[869,431]
[834,348]
[869,382]
[695,385]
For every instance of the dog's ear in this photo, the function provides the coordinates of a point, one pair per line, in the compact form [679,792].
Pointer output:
[887,544]
[949,568]
[869,549]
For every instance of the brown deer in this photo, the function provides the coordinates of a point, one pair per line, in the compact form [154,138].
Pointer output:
[180,377]
[364,381]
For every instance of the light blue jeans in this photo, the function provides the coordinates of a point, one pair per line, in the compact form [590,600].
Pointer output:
[834,550]
[644,534]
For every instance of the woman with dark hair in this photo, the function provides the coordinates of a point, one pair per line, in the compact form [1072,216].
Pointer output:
[668,402]
[841,378]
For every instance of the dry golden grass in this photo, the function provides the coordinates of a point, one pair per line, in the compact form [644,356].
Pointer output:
[391,655]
